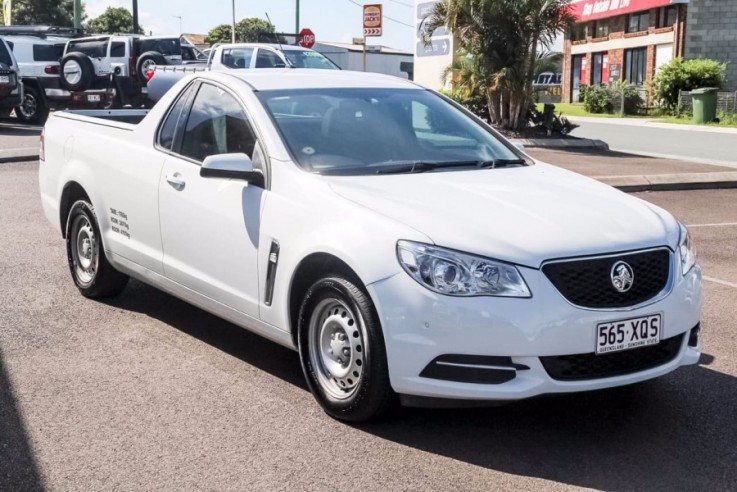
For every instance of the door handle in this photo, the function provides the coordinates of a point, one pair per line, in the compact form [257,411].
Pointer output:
[176,180]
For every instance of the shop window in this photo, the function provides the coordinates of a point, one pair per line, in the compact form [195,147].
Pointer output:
[635,65]
[599,68]
[601,29]
[579,32]
[638,22]
[667,16]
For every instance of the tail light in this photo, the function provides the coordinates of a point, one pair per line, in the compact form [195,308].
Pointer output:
[42,150]
[51,69]
[131,66]
[150,74]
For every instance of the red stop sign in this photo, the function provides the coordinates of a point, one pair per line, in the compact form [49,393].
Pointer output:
[306,38]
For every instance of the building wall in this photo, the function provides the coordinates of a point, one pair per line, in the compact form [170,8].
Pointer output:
[618,40]
[712,33]
[386,63]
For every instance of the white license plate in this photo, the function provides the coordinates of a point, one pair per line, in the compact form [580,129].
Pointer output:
[4,79]
[93,98]
[626,334]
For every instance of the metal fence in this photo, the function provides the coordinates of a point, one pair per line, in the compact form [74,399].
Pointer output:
[726,102]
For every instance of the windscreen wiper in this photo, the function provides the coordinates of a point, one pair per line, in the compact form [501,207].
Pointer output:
[422,166]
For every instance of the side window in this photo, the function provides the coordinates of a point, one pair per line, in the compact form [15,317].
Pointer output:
[217,124]
[237,58]
[268,59]
[48,53]
[117,49]
[93,49]
[168,129]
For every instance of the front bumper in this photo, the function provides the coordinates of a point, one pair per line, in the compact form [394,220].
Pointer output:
[420,326]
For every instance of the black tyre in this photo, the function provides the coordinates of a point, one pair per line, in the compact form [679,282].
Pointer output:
[146,61]
[77,71]
[342,350]
[34,109]
[93,275]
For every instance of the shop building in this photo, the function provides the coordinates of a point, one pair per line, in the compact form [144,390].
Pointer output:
[621,40]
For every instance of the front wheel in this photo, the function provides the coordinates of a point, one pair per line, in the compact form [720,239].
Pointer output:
[342,351]
[93,275]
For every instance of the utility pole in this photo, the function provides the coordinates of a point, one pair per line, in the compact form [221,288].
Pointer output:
[180,22]
[296,18]
[135,16]
[232,27]
[77,14]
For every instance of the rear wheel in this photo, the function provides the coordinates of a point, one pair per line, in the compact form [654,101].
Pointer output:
[33,109]
[342,351]
[93,275]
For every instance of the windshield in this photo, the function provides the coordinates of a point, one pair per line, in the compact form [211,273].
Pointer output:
[309,59]
[372,131]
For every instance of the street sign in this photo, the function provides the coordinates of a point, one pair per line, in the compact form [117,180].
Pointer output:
[372,20]
[437,47]
[306,38]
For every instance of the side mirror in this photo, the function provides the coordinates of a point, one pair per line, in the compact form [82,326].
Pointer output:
[232,166]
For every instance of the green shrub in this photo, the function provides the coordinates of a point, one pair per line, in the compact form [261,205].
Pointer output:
[679,75]
[597,99]
[608,99]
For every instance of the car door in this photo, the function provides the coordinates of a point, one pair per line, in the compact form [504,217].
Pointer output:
[210,226]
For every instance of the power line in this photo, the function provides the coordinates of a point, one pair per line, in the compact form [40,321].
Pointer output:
[385,16]
[402,3]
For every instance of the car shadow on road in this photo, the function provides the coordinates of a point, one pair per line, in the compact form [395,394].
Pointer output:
[220,334]
[18,468]
[677,432]
[9,128]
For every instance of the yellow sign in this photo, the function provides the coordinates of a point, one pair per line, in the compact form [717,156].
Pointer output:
[7,7]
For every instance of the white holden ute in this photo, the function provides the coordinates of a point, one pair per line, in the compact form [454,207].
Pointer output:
[406,250]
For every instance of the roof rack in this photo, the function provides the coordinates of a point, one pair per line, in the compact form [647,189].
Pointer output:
[41,31]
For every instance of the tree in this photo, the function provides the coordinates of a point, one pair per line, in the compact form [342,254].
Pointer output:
[506,36]
[44,12]
[246,31]
[114,19]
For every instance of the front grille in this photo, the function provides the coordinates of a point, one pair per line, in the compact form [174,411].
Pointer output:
[591,366]
[587,282]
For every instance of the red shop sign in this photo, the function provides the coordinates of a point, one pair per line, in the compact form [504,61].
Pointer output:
[586,10]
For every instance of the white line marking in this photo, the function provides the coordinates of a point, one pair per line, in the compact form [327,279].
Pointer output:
[720,282]
[721,224]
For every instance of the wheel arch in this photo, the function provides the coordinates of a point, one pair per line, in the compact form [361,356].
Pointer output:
[72,192]
[309,270]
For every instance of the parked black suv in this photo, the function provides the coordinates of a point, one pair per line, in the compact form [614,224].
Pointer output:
[11,87]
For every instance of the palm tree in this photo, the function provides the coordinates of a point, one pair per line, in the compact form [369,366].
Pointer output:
[506,36]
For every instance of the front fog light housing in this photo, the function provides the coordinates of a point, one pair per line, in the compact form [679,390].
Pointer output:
[686,251]
[459,274]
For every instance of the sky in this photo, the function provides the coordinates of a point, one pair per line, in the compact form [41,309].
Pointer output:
[330,20]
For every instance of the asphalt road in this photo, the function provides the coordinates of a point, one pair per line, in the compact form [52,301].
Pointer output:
[638,136]
[147,392]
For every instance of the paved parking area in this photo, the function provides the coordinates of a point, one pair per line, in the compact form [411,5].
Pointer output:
[147,392]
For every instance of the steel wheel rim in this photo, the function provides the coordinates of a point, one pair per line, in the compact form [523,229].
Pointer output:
[72,72]
[337,348]
[146,65]
[29,106]
[85,251]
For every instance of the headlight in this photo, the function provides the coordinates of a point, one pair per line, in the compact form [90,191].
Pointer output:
[686,250]
[458,274]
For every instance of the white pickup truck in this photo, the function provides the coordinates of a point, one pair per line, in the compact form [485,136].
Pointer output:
[405,249]
[235,56]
